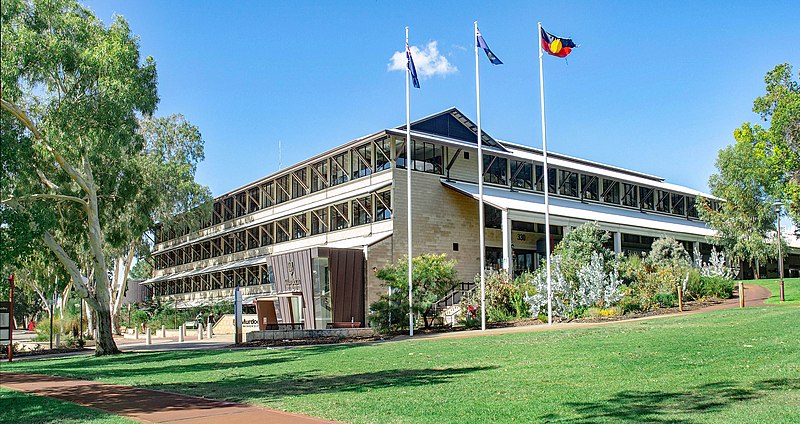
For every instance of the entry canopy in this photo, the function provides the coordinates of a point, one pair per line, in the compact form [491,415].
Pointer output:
[572,212]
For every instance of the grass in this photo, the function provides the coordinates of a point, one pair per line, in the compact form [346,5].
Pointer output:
[23,408]
[722,366]
[791,290]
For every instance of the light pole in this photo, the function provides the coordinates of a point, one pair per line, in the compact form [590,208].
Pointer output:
[780,256]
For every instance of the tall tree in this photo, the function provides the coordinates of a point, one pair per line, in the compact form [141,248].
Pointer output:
[72,90]
[168,196]
[779,143]
[744,220]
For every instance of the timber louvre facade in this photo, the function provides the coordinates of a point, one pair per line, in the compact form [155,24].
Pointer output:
[307,240]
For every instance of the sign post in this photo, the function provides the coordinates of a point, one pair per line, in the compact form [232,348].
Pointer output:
[237,307]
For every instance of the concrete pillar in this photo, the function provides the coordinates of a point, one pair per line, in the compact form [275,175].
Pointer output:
[136,332]
[163,332]
[617,242]
[506,228]
[181,333]
[695,248]
[148,340]
[199,331]
[57,343]
[208,331]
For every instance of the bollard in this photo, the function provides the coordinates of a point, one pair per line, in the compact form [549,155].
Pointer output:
[163,332]
[148,340]
[741,294]
[136,333]
[199,331]
[181,333]
[58,340]
[208,331]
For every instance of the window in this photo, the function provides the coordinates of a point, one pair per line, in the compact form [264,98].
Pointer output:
[646,198]
[427,157]
[239,241]
[691,203]
[319,176]
[362,161]
[551,180]
[568,183]
[629,195]
[400,148]
[589,187]
[383,150]
[299,226]
[678,205]
[227,208]
[282,189]
[253,203]
[282,230]
[340,165]
[268,191]
[522,174]
[610,191]
[319,221]
[662,201]
[340,217]
[240,203]
[383,203]
[493,217]
[362,210]
[539,178]
[494,170]
[299,185]
[267,232]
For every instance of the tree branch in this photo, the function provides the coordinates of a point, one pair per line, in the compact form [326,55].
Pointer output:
[78,200]
[37,135]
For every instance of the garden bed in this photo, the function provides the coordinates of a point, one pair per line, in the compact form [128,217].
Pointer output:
[38,352]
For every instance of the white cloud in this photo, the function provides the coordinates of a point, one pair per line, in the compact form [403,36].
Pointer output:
[428,61]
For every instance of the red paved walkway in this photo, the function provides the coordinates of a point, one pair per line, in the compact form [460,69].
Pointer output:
[147,406]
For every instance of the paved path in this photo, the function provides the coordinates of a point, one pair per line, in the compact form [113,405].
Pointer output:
[147,406]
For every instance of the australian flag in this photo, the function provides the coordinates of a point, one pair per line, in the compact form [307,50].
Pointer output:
[412,68]
[482,44]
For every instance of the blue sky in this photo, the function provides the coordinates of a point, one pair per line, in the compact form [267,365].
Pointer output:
[655,86]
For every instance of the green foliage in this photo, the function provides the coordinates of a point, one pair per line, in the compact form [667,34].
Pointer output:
[505,298]
[669,252]
[433,277]
[665,300]
[704,287]
[577,247]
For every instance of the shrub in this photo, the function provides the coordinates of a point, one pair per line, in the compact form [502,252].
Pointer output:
[433,276]
[578,246]
[669,252]
[505,298]
[665,300]
[592,287]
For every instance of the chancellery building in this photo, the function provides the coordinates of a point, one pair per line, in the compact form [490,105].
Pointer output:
[303,244]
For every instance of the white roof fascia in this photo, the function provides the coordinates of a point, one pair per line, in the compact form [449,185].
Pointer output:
[534,203]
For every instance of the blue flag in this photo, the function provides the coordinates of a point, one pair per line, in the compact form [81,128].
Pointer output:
[412,68]
[482,44]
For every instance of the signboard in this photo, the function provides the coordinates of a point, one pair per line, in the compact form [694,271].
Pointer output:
[5,322]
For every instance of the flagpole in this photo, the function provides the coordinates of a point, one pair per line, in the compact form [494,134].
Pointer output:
[546,183]
[480,186]
[408,195]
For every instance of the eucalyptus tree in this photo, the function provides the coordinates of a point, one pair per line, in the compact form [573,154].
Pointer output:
[72,93]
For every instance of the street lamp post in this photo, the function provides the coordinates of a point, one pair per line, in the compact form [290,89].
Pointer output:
[780,256]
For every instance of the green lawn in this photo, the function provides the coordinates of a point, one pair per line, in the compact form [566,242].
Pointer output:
[791,290]
[723,366]
[22,408]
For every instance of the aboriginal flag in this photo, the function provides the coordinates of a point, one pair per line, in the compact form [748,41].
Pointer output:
[556,46]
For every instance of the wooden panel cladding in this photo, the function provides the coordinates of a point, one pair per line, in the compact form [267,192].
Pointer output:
[347,284]
[293,275]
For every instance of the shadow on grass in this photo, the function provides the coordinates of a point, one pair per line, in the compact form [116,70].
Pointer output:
[262,389]
[132,365]
[633,406]
[25,408]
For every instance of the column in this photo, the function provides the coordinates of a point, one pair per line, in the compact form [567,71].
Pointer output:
[506,227]
[617,242]
[695,248]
